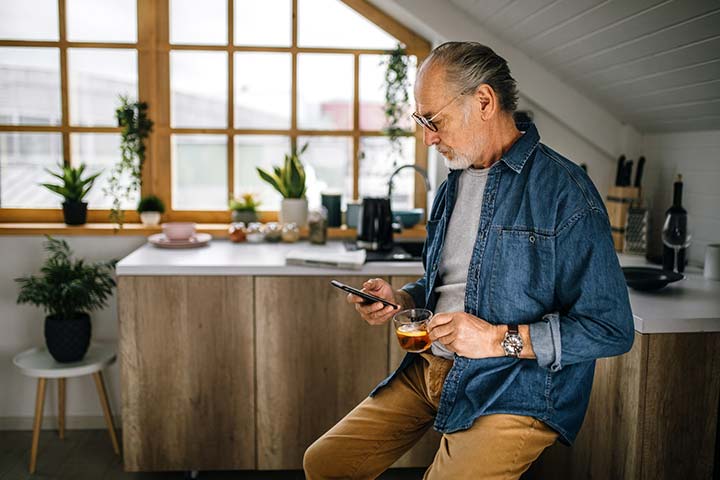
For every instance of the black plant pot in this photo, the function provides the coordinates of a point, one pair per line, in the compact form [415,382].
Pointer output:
[75,213]
[68,339]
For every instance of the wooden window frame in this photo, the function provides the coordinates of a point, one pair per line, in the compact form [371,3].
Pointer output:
[153,52]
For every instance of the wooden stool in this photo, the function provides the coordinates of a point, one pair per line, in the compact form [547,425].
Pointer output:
[38,363]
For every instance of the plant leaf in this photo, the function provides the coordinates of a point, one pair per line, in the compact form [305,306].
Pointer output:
[273,180]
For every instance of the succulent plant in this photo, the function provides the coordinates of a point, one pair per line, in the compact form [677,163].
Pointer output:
[289,179]
[73,187]
[247,202]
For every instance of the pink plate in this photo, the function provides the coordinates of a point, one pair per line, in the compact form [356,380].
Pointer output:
[197,240]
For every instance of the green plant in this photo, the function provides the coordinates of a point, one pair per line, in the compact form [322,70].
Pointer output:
[73,187]
[136,128]
[396,97]
[66,286]
[247,202]
[151,203]
[289,179]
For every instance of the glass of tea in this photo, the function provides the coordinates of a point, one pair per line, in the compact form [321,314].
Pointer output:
[411,329]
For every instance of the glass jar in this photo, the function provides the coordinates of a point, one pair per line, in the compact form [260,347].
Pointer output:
[255,232]
[236,232]
[317,223]
[290,233]
[273,232]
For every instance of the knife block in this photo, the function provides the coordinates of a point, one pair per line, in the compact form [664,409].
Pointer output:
[618,202]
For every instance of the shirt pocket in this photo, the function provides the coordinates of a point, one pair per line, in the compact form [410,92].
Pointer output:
[523,276]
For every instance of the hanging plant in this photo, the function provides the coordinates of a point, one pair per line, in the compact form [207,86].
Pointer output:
[396,97]
[136,128]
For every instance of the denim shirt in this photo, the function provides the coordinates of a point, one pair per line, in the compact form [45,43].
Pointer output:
[543,256]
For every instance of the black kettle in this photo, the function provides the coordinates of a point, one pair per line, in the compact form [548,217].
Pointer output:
[375,231]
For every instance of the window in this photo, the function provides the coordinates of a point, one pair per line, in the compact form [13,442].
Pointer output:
[232,85]
[60,78]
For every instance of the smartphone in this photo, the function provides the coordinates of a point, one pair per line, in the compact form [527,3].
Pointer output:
[368,298]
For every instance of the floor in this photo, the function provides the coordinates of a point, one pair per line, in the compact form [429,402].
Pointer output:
[88,455]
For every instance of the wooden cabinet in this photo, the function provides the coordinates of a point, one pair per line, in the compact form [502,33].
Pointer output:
[653,414]
[187,363]
[316,360]
[242,372]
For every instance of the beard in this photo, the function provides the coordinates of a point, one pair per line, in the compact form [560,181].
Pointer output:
[455,160]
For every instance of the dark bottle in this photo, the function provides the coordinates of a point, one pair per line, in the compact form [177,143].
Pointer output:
[679,215]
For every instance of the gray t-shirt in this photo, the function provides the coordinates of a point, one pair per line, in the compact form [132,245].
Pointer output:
[459,243]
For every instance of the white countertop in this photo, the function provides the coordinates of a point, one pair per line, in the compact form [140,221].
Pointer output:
[222,257]
[690,305]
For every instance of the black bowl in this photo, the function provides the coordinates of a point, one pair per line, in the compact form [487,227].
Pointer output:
[647,279]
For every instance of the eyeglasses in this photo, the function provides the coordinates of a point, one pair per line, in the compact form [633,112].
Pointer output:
[428,122]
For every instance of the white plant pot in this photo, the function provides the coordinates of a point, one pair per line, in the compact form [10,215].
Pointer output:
[150,219]
[294,210]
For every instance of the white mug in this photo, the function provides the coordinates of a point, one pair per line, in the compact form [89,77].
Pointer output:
[712,262]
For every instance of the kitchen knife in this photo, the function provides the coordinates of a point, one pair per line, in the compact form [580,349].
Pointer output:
[639,171]
[627,176]
[620,170]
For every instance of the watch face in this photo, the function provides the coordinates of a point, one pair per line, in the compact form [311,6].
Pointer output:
[512,344]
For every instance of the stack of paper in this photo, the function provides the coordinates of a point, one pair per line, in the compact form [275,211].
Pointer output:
[313,258]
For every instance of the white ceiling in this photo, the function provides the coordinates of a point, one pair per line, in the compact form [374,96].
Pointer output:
[654,64]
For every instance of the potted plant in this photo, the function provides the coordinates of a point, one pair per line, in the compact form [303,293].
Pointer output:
[289,180]
[244,208]
[136,128]
[150,209]
[67,290]
[73,189]
[396,98]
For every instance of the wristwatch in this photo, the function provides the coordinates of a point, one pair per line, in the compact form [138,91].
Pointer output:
[512,343]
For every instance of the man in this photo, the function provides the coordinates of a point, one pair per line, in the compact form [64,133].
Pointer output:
[527,289]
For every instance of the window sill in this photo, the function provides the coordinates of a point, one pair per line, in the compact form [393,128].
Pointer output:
[218,230]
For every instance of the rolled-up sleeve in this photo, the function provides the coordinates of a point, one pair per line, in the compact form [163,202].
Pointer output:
[546,341]
[594,318]
[417,291]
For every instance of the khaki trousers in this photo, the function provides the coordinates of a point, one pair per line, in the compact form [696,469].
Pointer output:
[382,428]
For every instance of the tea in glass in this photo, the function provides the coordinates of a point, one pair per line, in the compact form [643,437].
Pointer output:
[411,329]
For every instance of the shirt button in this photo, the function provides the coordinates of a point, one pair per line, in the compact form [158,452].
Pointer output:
[531,238]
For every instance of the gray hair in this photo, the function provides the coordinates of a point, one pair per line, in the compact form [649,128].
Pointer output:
[470,64]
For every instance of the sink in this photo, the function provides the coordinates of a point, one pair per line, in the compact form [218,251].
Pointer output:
[402,251]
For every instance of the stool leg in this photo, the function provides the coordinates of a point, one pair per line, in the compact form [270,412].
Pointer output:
[61,407]
[39,405]
[106,409]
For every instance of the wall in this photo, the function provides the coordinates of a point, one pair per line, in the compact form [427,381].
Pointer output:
[21,327]
[695,155]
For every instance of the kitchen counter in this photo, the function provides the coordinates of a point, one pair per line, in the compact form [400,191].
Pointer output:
[690,305]
[222,257]
[686,306]
[239,323]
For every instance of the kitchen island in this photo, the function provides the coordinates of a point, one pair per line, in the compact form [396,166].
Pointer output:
[231,359]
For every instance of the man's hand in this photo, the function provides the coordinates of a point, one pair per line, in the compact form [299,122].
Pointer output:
[377,313]
[467,335]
